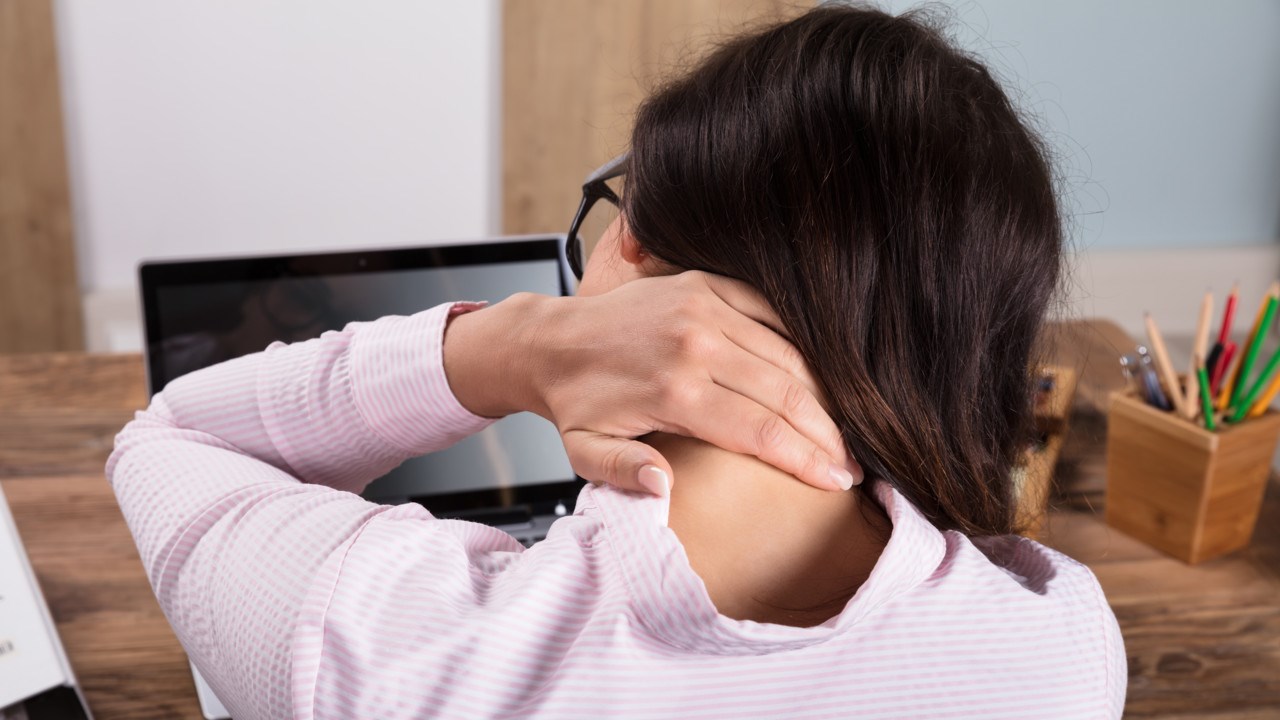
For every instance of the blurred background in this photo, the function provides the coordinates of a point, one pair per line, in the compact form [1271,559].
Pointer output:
[159,128]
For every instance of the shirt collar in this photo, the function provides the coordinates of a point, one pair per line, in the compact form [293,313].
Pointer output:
[671,601]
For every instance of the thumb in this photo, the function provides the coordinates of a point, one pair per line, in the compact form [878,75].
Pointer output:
[625,464]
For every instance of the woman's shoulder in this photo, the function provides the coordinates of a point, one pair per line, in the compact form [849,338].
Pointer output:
[1042,614]
[1031,566]
[999,565]
[1022,573]
[1043,592]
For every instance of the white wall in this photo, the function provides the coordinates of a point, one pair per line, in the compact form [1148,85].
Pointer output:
[256,126]
[279,125]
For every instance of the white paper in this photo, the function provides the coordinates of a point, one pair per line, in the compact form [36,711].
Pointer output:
[30,660]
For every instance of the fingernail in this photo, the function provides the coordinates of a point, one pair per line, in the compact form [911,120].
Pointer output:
[653,479]
[841,477]
[856,470]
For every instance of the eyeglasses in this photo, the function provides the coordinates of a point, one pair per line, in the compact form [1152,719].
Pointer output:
[594,188]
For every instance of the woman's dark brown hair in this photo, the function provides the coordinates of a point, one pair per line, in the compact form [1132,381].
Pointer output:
[876,184]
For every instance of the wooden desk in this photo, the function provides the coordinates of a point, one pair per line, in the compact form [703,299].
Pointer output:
[59,414]
[1203,642]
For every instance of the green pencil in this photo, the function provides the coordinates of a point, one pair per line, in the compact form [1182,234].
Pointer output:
[1252,395]
[1255,344]
[1206,403]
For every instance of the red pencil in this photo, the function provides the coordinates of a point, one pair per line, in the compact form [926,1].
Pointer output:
[1228,315]
[1221,370]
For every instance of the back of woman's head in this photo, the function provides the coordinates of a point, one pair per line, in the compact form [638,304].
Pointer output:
[881,191]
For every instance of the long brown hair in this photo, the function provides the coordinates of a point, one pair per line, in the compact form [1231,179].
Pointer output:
[878,187]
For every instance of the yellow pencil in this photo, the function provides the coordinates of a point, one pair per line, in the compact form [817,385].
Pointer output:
[1199,349]
[1228,383]
[1228,387]
[1264,402]
[1161,356]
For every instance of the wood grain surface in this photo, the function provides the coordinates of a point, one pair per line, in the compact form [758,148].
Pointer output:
[1202,641]
[573,72]
[39,292]
[59,413]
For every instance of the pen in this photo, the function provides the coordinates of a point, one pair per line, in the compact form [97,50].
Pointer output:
[1155,395]
[1165,367]
[1127,365]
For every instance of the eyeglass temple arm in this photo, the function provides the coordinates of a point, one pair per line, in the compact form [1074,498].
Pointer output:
[612,169]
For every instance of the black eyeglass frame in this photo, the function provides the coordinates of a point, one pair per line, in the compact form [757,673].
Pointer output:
[594,189]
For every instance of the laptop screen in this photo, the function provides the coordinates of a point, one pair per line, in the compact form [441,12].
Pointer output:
[199,313]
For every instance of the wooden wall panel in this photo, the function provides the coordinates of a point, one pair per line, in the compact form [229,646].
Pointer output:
[573,73]
[39,292]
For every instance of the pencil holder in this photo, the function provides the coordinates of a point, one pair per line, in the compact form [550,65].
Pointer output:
[1180,488]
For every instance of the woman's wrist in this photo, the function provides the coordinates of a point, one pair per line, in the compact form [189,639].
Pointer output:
[492,358]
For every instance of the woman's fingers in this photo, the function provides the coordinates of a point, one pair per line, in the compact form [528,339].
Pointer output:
[761,341]
[748,321]
[622,463]
[714,367]
[741,297]
[736,423]
[782,393]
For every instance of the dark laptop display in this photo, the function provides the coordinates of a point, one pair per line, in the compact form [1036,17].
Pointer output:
[203,312]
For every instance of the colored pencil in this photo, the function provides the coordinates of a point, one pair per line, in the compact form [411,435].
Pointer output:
[1215,356]
[1248,398]
[1255,345]
[1198,350]
[1217,360]
[1161,355]
[1206,404]
[1229,313]
[1223,377]
[1264,402]
[1233,372]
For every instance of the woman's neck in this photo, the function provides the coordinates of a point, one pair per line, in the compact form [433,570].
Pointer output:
[768,547]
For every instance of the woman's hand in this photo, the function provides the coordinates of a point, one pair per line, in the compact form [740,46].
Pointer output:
[691,354]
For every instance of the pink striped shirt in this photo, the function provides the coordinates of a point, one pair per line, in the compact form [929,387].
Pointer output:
[297,598]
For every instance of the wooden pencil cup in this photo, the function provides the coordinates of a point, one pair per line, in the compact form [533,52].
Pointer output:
[1180,488]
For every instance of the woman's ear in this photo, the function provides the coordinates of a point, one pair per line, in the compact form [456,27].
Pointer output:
[640,262]
[629,248]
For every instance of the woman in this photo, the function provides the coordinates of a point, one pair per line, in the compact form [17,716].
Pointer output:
[877,189]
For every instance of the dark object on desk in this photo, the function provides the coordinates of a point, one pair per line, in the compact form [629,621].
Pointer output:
[60,703]
[201,312]
[1033,479]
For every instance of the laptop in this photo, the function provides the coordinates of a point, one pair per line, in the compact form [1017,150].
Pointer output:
[513,475]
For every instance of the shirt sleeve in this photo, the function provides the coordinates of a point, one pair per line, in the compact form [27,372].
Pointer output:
[231,483]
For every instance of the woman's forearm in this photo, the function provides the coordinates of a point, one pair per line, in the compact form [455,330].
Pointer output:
[339,410]
[208,479]
[493,355]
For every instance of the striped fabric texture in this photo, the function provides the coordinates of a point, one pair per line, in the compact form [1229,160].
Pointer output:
[297,598]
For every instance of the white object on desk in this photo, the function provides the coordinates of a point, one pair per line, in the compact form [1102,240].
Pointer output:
[32,660]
